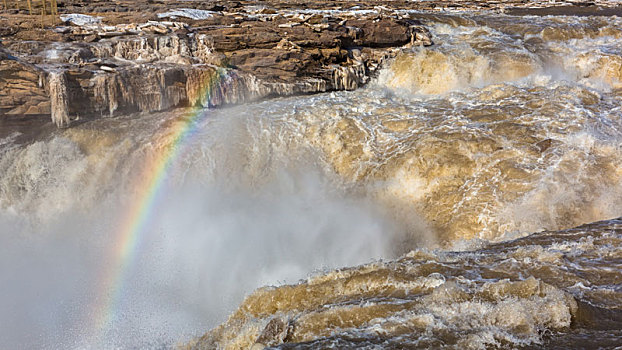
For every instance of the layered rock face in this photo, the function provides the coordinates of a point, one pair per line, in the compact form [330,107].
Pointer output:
[21,88]
[91,66]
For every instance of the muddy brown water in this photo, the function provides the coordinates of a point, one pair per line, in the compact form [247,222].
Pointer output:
[467,198]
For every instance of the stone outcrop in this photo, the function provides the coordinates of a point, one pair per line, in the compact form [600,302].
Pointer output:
[94,66]
[151,8]
[22,90]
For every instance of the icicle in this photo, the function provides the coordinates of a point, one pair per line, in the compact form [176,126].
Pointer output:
[58,98]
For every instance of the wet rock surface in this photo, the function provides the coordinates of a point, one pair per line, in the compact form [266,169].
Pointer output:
[101,59]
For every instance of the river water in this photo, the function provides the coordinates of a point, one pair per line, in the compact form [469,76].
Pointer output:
[439,207]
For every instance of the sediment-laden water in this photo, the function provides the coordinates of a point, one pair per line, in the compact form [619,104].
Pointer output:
[434,208]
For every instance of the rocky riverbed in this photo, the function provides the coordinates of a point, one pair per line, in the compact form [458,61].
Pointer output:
[101,58]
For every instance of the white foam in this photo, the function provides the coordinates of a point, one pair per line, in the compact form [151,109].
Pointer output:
[213,236]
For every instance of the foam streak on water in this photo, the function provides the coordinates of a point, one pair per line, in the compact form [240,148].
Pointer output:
[449,166]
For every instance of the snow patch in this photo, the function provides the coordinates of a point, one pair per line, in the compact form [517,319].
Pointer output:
[80,19]
[188,13]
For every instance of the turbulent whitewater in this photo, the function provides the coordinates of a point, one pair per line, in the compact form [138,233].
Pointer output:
[439,207]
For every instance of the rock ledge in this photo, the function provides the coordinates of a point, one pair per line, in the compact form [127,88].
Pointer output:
[99,65]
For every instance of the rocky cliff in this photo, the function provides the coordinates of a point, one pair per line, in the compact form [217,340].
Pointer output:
[102,65]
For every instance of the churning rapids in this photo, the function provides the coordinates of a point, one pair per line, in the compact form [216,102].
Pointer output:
[446,194]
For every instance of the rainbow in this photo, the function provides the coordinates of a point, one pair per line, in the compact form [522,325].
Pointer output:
[135,224]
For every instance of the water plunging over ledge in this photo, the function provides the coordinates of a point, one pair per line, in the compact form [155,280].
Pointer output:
[440,206]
